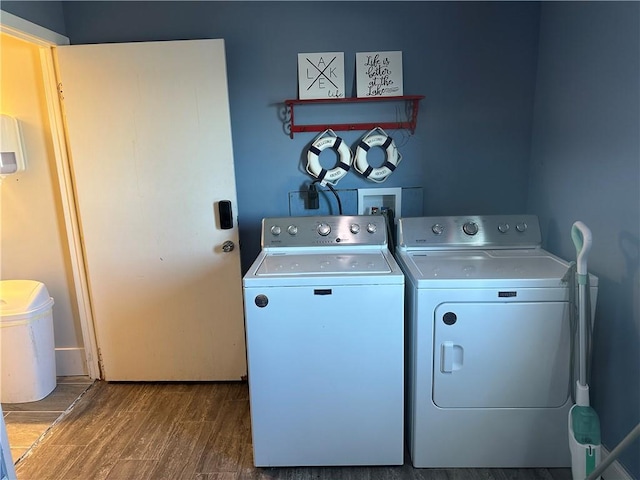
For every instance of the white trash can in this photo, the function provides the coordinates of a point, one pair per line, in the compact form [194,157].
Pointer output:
[28,362]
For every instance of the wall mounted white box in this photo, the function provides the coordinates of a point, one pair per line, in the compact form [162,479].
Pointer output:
[11,146]
[369,198]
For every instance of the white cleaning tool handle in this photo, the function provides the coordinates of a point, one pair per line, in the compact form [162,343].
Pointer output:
[581,236]
[582,393]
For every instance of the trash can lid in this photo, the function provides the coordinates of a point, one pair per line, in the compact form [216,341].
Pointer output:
[22,296]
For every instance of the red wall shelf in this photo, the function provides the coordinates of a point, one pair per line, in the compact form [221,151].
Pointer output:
[412,102]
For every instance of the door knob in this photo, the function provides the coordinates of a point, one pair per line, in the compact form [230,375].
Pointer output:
[228,246]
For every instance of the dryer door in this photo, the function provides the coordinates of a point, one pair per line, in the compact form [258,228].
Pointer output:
[501,355]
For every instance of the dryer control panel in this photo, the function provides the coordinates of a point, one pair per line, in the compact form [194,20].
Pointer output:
[324,231]
[473,232]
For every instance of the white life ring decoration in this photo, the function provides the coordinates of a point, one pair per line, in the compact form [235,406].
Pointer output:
[377,138]
[328,139]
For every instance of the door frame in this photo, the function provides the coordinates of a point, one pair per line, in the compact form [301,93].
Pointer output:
[47,40]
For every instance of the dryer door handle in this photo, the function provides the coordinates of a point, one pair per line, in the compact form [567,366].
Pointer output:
[451,357]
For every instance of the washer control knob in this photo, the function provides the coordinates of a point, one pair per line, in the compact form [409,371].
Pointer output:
[503,227]
[372,228]
[355,228]
[521,227]
[324,229]
[275,230]
[293,230]
[470,228]
[437,229]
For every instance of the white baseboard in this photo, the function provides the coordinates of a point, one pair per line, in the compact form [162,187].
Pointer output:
[70,362]
[615,471]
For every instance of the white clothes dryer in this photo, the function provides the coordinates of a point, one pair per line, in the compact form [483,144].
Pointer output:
[324,311]
[489,371]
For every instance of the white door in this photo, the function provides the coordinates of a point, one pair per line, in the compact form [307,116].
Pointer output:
[150,144]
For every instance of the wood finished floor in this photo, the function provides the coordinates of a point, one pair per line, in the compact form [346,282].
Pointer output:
[27,422]
[194,432]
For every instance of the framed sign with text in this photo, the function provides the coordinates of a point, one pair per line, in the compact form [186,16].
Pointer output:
[320,75]
[379,74]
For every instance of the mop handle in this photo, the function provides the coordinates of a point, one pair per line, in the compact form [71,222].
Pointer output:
[581,236]
[615,453]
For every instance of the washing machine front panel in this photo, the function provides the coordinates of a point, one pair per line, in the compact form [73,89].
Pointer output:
[501,355]
[326,374]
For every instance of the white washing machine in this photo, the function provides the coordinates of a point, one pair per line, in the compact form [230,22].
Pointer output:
[489,343]
[324,310]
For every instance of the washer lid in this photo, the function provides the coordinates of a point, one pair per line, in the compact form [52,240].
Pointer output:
[22,296]
[294,264]
[483,266]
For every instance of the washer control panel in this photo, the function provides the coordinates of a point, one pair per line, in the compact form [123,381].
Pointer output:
[340,230]
[474,231]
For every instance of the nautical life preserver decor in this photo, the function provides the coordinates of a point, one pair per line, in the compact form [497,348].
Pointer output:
[328,139]
[376,138]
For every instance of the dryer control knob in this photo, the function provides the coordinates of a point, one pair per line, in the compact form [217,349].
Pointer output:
[470,228]
[355,228]
[437,229]
[293,230]
[372,227]
[275,230]
[521,227]
[324,229]
[503,227]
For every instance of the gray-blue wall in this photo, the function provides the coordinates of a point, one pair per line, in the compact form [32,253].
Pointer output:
[529,108]
[471,148]
[47,14]
[585,165]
